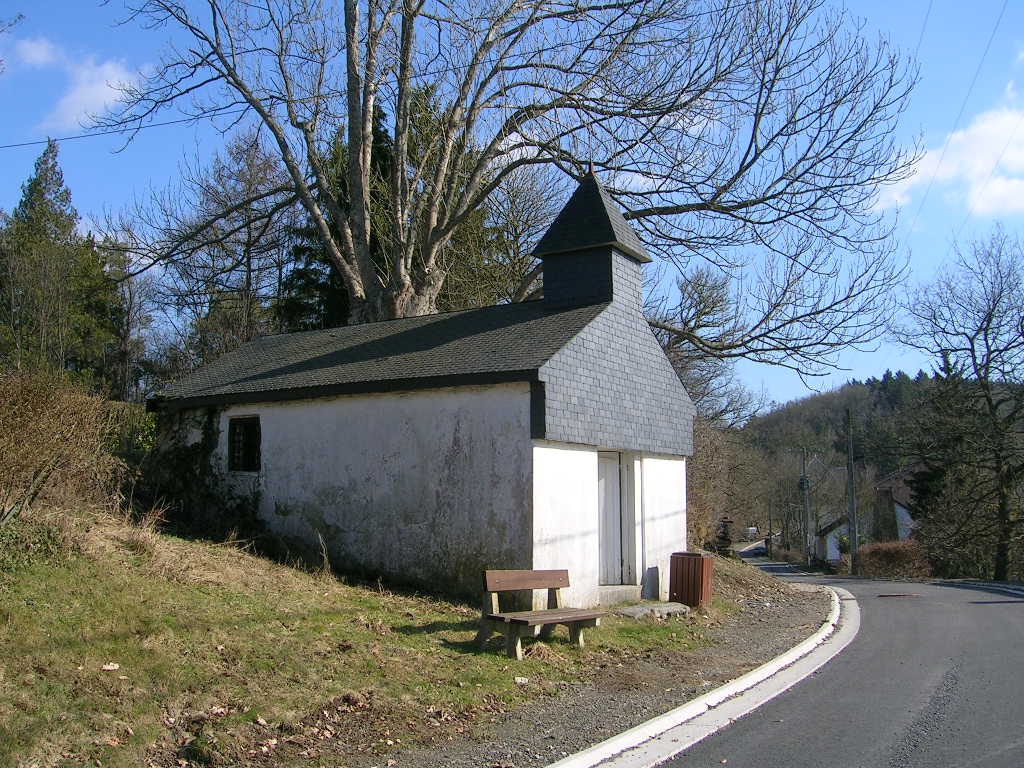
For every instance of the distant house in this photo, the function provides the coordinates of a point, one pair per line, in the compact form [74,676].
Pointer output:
[893,502]
[827,538]
[545,434]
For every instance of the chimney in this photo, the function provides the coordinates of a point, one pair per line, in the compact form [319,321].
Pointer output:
[590,253]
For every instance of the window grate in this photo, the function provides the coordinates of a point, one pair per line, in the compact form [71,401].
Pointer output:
[244,444]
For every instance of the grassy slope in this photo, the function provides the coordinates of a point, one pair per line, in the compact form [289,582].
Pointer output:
[223,657]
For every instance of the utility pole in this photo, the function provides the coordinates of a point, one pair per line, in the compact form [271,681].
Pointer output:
[783,517]
[805,486]
[851,484]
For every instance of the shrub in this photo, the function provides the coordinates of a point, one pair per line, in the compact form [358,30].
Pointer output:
[894,560]
[133,432]
[28,541]
[788,555]
[53,442]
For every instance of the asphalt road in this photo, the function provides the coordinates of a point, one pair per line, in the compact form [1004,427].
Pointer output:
[934,679]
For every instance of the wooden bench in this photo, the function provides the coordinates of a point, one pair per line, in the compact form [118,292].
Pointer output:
[514,624]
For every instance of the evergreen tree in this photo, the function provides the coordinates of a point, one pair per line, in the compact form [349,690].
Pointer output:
[58,304]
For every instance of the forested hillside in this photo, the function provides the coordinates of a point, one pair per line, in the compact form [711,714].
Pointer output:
[927,433]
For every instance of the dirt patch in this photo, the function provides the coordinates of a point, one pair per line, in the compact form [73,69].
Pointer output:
[760,620]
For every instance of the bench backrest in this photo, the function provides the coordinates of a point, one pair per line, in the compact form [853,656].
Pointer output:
[509,581]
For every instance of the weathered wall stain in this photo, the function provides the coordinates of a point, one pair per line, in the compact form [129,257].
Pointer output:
[429,486]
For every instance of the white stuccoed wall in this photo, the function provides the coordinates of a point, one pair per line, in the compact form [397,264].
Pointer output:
[904,522]
[566,522]
[565,533]
[664,517]
[429,485]
[436,485]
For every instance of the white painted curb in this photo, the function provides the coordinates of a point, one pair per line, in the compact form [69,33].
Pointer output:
[657,726]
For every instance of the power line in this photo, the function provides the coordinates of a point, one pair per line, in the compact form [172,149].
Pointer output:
[428,73]
[114,131]
[991,173]
[963,106]
[924,24]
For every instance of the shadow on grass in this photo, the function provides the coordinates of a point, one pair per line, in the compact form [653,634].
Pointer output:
[433,627]
[263,543]
[468,647]
[495,644]
[469,626]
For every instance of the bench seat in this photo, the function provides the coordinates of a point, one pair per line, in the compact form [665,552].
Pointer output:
[513,624]
[549,616]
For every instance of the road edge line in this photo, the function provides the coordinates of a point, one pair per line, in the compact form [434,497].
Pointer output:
[658,726]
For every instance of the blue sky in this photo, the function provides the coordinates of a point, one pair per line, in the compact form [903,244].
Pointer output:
[60,63]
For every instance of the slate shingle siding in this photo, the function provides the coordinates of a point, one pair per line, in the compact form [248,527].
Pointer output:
[612,386]
[580,277]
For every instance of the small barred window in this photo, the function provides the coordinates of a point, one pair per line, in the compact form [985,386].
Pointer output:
[244,444]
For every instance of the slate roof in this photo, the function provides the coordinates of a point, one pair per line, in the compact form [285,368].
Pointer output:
[503,343]
[590,219]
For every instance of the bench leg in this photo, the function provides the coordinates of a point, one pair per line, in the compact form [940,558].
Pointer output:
[546,630]
[513,643]
[576,634]
[484,634]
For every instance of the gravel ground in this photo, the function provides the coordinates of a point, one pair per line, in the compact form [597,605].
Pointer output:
[622,695]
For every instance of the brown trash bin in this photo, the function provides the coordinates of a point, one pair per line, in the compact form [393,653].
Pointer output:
[689,579]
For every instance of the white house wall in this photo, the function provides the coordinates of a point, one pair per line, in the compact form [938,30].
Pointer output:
[904,522]
[664,519]
[428,486]
[565,533]
[566,519]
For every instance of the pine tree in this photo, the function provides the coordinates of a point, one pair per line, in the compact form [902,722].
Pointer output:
[57,301]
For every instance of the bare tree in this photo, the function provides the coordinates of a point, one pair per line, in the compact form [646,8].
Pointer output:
[5,27]
[132,321]
[704,306]
[749,136]
[971,428]
[229,225]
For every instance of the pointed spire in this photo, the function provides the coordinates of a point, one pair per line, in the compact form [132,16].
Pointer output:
[589,220]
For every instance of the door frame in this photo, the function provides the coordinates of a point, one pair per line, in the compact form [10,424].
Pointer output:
[625,572]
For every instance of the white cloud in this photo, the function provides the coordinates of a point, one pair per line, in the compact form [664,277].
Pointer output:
[982,168]
[93,87]
[1002,196]
[37,52]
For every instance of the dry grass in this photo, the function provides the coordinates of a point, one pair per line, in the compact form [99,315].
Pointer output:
[225,658]
[735,580]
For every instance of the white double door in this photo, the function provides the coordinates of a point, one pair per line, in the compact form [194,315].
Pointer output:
[616,533]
